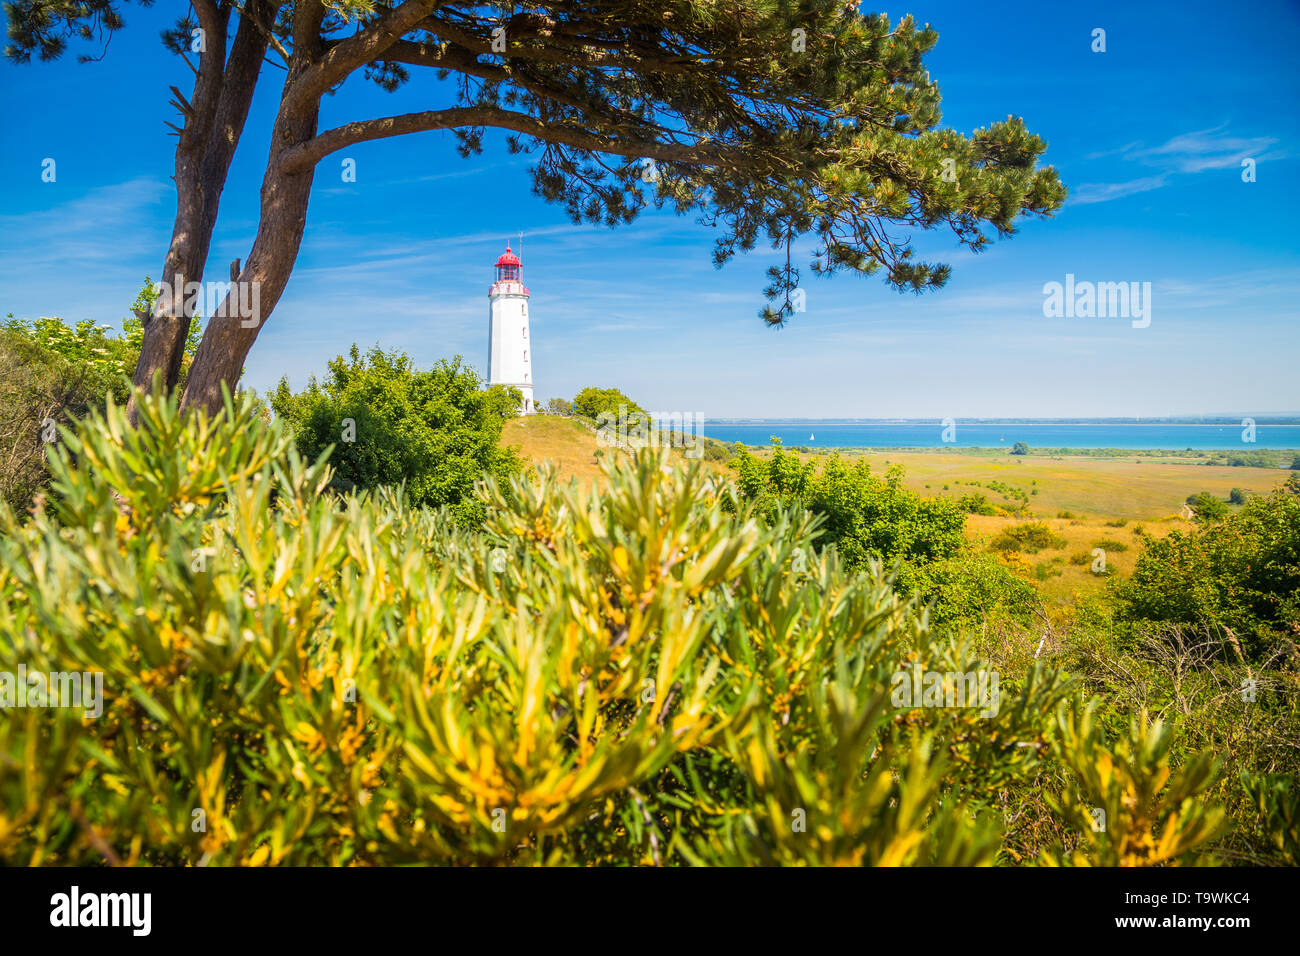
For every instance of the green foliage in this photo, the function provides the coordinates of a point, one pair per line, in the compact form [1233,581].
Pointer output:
[779,122]
[1017,499]
[1219,701]
[1020,448]
[1252,459]
[1132,807]
[591,403]
[717,451]
[640,674]
[972,590]
[1237,496]
[433,432]
[52,372]
[39,389]
[976,504]
[1276,798]
[865,516]
[1206,507]
[100,361]
[560,406]
[1047,569]
[872,519]
[1242,573]
[1029,537]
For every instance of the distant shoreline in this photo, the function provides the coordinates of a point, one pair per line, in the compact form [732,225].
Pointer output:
[1245,437]
[1033,452]
[1277,419]
[1281,458]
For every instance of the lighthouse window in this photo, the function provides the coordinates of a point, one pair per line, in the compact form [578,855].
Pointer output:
[525,331]
[525,355]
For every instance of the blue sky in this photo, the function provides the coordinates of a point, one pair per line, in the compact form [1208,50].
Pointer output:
[1149,136]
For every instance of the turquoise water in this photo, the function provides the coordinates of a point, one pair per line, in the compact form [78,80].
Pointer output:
[1281,433]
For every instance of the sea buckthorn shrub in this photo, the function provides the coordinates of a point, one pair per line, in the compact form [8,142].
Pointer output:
[645,672]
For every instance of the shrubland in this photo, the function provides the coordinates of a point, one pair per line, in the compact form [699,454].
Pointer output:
[1236,573]
[873,518]
[660,671]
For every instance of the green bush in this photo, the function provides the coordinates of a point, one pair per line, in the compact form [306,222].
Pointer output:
[52,373]
[432,432]
[717,451]
[1206,507]
[865,516]
[872,519]
[1029,537]
[39,390]
[1242,573]
[591,403]
[972,590]
[642,675]
[1257,459]
[976,504]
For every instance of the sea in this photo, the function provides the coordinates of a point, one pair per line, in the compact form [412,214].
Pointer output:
[1236,434]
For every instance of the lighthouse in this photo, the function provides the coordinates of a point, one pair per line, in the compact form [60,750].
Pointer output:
[508,345]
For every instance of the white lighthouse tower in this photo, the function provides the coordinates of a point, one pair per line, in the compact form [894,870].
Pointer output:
[508,345]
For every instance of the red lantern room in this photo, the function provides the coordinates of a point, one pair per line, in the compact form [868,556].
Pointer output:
[508,267]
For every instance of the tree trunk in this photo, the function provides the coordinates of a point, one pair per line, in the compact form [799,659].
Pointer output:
[229,334]
[214,122]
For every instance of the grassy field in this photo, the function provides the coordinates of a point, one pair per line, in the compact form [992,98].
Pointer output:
[1087,502]
[564,442]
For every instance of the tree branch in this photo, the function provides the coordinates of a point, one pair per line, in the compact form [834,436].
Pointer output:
[315,149]
[560,48]
[346,56]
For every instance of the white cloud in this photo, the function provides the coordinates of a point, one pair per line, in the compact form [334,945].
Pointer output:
[1088,193]
[1201,150]
[1193,152]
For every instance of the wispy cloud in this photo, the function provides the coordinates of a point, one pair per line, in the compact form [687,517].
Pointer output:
[1201,150]
[1087,193]
[98,225]
[1193,152]
[70,256]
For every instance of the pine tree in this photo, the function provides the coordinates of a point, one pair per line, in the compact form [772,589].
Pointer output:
[770,120]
